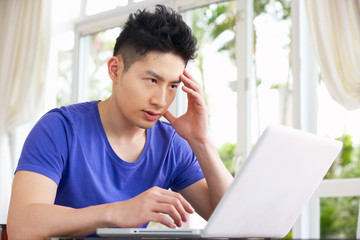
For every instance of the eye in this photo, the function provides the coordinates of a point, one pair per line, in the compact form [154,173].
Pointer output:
[152,80]
[174,86]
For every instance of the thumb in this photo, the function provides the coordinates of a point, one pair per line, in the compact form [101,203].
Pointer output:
[169,116]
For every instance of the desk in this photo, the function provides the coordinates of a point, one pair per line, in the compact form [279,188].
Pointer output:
[179,238]
[126,238]
[3,232]
[183,239]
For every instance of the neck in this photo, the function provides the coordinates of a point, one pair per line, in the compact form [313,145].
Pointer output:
[127,141]
[115,124]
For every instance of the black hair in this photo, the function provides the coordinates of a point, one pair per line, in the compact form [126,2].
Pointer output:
[162,31]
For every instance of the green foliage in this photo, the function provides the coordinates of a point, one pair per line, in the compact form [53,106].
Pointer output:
[222,17]
[347,151]
[288,236]
[347,165]
[227,153]
[279,9]
[339,215]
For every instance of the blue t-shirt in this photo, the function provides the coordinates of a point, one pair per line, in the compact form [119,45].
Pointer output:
[69,145]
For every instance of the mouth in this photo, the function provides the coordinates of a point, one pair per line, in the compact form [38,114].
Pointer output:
[151,116]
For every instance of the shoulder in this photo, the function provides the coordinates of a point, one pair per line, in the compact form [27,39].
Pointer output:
[61,123]
[67,115]
[47,147]
[79,108]
[165,127]
[163,131]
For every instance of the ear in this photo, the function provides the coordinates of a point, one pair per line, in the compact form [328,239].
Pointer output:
[115,67]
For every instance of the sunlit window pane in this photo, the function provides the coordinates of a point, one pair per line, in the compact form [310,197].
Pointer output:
[272,99]
[98,50]
[61,84]
[62,12]
[215,68]
[334,121]
[96,6]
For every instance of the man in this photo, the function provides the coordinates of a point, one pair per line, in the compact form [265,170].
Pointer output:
[110,163]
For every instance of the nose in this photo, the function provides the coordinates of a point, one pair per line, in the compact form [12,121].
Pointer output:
[159,98]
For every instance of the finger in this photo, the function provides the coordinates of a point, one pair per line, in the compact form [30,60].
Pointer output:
[193,97]
[181,200]
[190,82]
[178,201]
[169,116]
[189,75]
[171,211]
[177,205]
[191,92]
[161,195]
[162,219]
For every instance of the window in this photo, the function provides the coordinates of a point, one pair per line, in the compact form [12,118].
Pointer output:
[338,123]
[97,49]
[61,12]
[94,6]
[339,214]
[272,96]
[215,68]
[61,69]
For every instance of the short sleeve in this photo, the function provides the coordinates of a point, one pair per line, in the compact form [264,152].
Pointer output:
[189,171]
[46,148]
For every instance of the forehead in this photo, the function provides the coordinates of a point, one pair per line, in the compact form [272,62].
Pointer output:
[166,65]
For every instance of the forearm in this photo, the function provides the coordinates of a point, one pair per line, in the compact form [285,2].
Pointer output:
[43,220]
[218,178]
[39,221]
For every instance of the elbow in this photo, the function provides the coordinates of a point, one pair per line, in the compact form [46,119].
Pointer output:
[17,230]
[12,232]
[206,213]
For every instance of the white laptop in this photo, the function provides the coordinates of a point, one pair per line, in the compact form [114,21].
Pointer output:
[268,193]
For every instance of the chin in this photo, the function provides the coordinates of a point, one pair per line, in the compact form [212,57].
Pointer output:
[147,125]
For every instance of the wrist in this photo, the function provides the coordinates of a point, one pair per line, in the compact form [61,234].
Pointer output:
[109,218]
[202,145]
[200,140]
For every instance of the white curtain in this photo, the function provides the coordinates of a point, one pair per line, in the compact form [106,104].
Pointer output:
[335,29]
[24,47]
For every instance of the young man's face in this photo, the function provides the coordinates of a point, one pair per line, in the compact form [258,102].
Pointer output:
[145,91]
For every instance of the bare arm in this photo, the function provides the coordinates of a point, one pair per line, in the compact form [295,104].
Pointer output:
[193,127]
[217,176]
[33,214]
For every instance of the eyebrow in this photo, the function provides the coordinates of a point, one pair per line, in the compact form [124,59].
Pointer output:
[157,76]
